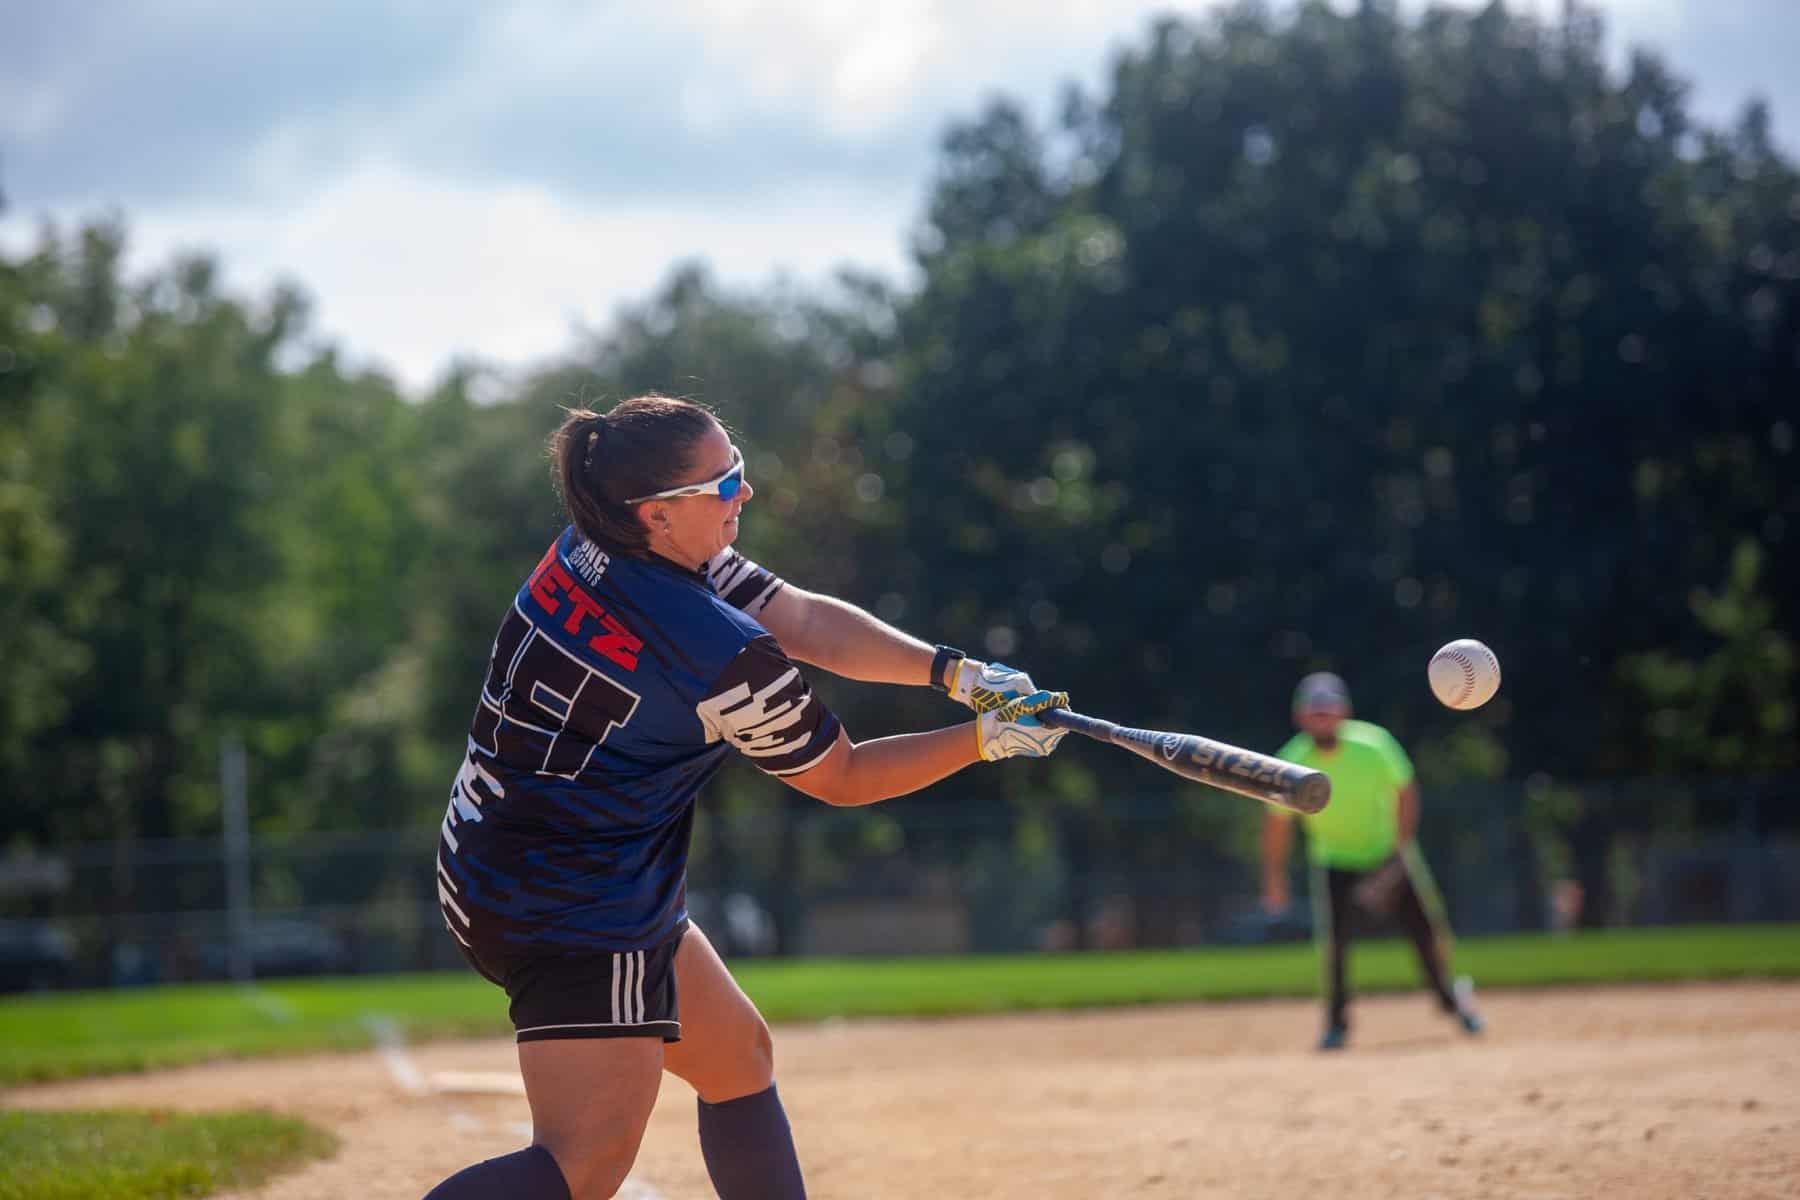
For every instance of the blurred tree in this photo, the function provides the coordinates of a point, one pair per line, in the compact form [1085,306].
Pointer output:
[42,605]
[153,435]
[1732,710]
[1320,339]
[209,540]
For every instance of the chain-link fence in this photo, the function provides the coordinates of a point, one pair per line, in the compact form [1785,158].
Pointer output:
[802,878]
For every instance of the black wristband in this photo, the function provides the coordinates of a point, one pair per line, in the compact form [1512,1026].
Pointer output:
[943,658]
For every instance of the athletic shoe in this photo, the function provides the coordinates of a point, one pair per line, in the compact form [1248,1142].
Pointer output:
[1466,1015]
[1334,1037]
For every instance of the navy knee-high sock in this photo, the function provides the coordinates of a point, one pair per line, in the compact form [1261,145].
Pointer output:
[749,1149]
[528,1174]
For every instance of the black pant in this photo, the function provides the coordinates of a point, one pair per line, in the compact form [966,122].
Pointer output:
[1392,890]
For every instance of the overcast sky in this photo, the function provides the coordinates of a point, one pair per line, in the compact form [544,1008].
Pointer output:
[447,177]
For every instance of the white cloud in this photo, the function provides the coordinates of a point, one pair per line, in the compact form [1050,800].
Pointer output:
[851,69]
[857,69]
[414,271]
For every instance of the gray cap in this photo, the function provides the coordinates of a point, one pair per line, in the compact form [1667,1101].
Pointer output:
[1321,689]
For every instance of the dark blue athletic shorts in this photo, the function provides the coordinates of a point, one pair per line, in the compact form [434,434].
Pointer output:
[598,994]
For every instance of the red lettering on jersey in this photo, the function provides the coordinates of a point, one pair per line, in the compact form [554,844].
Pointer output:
[541,582]
[553,577]
[585,606]
[618,644]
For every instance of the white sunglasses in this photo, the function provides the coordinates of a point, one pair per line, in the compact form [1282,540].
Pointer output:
[725,487]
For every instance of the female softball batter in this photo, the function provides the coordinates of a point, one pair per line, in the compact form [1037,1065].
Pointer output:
[637,656]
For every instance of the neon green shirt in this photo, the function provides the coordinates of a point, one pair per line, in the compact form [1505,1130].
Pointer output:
[1361,825]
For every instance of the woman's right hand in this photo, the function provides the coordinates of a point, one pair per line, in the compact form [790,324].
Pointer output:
[1013,730]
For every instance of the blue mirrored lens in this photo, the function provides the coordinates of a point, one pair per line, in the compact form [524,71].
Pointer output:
[731,485]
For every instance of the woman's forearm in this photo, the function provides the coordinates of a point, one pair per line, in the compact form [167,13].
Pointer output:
[883,768]
[847,641]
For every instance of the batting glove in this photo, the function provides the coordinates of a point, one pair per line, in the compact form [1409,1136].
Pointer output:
[1012,731]
[986,686]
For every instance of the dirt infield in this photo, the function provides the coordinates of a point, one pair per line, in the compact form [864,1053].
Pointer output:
[1641,1092]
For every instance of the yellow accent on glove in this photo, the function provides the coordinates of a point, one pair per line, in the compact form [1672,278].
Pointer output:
[1037,702]
[990,734]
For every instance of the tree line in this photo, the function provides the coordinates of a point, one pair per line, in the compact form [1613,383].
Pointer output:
[1307,340]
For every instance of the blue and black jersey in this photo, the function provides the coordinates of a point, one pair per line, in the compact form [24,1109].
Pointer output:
[616,687]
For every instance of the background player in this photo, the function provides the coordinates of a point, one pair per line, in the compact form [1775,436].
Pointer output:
[1362,850]
[639,654]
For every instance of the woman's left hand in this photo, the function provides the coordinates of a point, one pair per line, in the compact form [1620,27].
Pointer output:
[986,686]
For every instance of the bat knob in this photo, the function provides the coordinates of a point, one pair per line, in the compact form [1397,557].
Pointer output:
[1313,793]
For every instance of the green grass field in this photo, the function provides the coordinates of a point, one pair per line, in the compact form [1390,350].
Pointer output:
[146,1155]
[88,1033]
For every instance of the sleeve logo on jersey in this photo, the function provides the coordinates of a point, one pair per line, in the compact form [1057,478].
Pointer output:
[740,582]
[761,723]
[555,589]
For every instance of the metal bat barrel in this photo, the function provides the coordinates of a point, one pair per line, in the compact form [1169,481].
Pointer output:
[1259,776]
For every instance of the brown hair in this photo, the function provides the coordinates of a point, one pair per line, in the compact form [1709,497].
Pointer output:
[638,447]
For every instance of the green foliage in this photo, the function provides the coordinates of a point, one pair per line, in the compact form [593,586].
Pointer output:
[215,539]
[1471,751]
[1732,710]
[128,1154]
[43,654]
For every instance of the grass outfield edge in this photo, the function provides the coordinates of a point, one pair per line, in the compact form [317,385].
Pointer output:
[67,1035]
[122,1154]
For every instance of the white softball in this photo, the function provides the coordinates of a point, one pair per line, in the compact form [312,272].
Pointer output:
[1464,674]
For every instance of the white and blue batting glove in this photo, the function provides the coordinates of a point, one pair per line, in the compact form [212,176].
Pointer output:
[986,686]
[1012,731]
